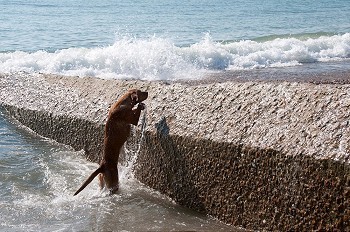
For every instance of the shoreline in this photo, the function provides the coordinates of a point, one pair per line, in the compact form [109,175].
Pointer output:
[211,146]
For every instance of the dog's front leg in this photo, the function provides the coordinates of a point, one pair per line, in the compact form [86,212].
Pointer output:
[136,113]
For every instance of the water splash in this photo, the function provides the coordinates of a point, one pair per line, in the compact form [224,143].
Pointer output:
[160,59]
[38,194]
[131,153]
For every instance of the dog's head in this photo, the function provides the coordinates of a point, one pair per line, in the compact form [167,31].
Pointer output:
[137,96]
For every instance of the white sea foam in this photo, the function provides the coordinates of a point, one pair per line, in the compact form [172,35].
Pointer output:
[159,59]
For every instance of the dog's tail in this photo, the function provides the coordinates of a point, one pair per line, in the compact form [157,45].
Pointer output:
[91,177]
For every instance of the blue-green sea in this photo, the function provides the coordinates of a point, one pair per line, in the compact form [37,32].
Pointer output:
[168,40]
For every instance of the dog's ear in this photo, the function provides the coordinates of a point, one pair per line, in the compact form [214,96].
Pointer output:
[134,97]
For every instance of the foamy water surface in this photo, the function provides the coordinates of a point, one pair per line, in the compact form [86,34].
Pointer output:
[39,177]
[169,40]
[160,59]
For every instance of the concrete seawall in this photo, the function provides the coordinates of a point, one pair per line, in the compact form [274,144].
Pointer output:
[262,155]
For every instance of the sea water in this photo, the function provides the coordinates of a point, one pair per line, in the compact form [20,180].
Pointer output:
[147,40]
[169,40]
[38,178]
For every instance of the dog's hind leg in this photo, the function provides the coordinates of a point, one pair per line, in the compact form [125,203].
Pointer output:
[102,181]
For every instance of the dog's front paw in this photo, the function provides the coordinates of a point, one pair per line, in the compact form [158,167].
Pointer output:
[141,106]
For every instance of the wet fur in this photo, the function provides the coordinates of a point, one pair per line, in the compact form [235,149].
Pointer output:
[117,129]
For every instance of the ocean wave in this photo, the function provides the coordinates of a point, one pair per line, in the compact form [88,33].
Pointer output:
[160,59]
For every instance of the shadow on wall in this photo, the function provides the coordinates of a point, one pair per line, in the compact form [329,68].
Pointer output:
[176,171]
[244,186]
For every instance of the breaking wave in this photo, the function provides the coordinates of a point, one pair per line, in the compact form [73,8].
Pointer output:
[160,59]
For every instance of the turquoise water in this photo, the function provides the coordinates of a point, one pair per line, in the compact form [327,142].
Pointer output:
[152,40]
[51,25]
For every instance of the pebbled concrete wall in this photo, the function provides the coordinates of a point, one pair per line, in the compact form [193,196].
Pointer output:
[262,155]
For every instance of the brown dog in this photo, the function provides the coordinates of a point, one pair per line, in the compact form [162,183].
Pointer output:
[117,130]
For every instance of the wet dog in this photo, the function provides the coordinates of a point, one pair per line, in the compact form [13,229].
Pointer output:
[117,129]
